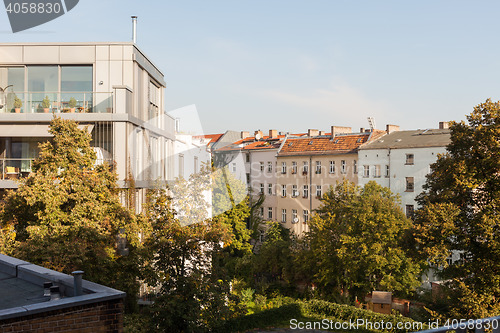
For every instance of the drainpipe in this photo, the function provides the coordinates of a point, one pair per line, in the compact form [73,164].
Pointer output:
[390,170]
[310,186]
[134,29]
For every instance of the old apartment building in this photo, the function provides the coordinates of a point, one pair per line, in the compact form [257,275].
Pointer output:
[401,161]
[111,87]
[308,166]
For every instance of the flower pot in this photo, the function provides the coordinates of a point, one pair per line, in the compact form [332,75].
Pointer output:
[46,110]
[17,110]
[72,110]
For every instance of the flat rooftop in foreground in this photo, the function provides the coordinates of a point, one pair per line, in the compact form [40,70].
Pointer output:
[21,289]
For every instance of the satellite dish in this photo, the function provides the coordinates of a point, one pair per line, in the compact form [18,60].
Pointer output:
[258,136]
[295,220]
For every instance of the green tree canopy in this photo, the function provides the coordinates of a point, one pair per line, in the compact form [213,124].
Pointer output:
[460,212]
[356,240]
[67,214]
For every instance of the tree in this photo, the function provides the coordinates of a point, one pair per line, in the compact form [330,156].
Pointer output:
[356,239]
[460,212]
[67,215]
[181,263]
[274,262]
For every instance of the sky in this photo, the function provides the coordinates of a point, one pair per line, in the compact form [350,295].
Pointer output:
[292,65]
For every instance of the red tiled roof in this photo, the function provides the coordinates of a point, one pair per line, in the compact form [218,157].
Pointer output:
[213,137]
[320,145]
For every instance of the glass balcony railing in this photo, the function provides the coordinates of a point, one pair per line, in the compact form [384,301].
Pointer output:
[15,168]
[58,102]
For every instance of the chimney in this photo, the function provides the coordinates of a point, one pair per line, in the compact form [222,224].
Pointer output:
[340,129]
[361,130]
[258,135]
[443,125]
[273,134]
[391,128]
[134,29]
[245,134]
[77,281]
[312,132]
[322,133]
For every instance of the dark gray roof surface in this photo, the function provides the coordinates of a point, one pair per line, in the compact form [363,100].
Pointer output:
[21,289]
[411,139]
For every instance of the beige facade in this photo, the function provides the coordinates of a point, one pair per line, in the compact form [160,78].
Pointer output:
[113,87]
[298,192]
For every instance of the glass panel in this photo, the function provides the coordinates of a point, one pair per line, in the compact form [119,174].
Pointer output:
[13,96]
[43,84]
[76,88]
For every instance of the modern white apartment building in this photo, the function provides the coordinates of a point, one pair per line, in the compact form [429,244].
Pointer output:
[112,87]
[401,161]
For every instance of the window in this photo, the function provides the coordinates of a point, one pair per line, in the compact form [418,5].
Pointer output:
[306,215]
[248,178]
[318,191]
[409,184]
[262,235]
[270,189]
[294,167]
[410,211]
[295,191]
[181,165]
[234,167]
[318,167]
[261,188]
[270,212]
[305,168]
[366,171]
[332,166]
[248,158]
[283,167]
[295,219]
[355,166]
[283,215]
[261,166]
[305,191]
[262,212]
[195,164]
[387,171]
[269,166]
[377,171]
[342,167]
[283,190]
[409,159]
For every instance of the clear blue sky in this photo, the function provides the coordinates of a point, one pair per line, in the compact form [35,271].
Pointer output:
[293,65]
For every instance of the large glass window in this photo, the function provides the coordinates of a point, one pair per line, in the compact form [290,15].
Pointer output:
[43,87]
[76,83]
[13,77]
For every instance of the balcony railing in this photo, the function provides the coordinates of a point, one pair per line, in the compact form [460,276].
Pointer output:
[15,168]
[58,102]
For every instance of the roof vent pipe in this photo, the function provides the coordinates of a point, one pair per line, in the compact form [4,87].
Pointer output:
[46,288]
[55,293]
[134,29]
[77,279]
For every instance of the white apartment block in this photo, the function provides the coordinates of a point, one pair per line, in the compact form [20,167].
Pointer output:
[112,87]
[401,161]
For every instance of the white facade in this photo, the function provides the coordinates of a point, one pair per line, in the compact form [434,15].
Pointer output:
[401,161]
[113,87]
[191,156]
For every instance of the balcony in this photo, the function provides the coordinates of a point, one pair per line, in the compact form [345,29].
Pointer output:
[15,168]
[57,102]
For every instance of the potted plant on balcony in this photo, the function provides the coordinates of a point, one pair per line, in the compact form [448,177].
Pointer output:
[17,104]
[72,104]
[46,104]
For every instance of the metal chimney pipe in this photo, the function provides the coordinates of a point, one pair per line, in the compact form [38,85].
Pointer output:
[134,29]
[77,279]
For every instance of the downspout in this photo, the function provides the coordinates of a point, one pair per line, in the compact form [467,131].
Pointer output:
[390,170]
[310,185]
